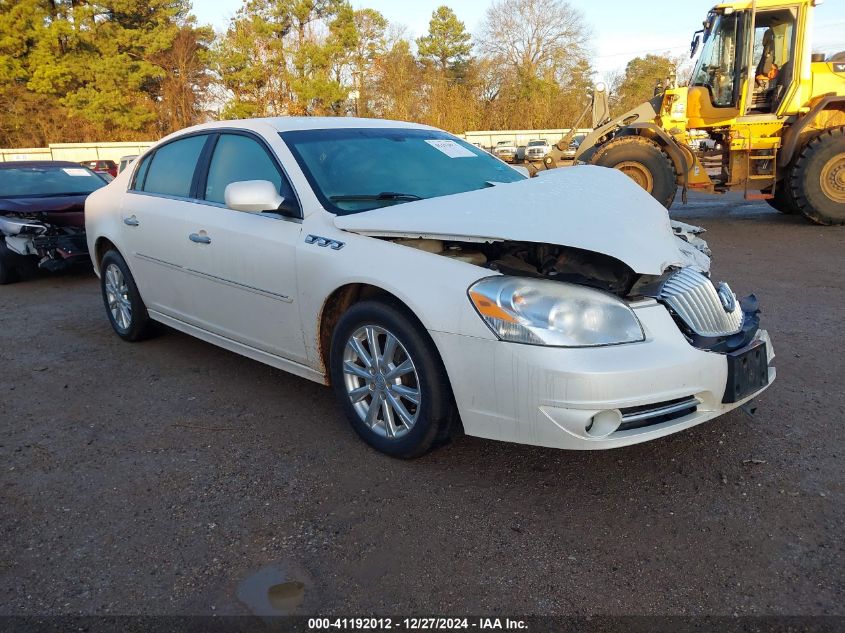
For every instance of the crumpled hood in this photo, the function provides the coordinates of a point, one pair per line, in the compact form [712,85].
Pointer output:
[587,207]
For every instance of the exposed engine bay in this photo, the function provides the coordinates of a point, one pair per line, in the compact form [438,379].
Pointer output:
[529,259]
[733,321]
[546,261]
[560,263]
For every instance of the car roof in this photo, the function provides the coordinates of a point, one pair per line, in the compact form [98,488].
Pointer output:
[283,124]
[288,123]
[37,163]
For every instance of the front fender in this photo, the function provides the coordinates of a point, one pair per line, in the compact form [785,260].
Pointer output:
[433,287]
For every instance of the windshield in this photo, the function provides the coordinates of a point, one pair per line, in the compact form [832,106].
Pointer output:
[358,169]
[716,66]
[536,143]
[44,181]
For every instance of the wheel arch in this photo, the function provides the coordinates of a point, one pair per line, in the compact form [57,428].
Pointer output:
[102,246]
[340,300]
[796,137]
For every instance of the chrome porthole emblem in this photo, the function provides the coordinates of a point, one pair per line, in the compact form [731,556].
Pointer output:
[726,296]
[381,381]
[335,245]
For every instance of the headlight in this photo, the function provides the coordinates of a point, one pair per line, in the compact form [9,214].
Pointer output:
[541,312]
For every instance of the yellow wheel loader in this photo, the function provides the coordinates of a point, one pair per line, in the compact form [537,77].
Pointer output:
[770,112]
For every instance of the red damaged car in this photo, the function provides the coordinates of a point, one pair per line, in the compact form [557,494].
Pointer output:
[42,215]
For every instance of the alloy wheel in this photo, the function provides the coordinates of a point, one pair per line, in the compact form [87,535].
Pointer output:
[381,381]
[117,297]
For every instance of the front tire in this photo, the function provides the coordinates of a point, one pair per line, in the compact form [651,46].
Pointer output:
[389,380]
[10,264]
[642,161]
[818,180]
[125,308]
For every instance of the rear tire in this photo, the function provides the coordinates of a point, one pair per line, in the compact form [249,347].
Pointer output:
[818,180]
[783,200]
[125,308]
[412,428]
[644,162]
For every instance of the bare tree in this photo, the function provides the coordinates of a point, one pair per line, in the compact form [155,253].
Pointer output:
[537,38]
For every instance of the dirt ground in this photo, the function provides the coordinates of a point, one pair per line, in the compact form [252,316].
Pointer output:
[174,477]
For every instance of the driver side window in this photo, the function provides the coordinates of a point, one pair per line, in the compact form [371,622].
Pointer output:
[236,158]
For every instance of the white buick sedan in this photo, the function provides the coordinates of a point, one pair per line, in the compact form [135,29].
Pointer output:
[434,287]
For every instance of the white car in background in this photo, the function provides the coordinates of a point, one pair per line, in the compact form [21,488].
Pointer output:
[506,150]
[125,161]
[433,287]
[537,149]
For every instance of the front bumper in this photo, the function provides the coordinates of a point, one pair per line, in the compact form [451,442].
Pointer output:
[553,396]
[54,252]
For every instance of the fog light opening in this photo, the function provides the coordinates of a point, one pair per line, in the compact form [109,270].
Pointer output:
[604,423]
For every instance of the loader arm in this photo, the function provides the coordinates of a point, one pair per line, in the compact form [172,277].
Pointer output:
[645,112]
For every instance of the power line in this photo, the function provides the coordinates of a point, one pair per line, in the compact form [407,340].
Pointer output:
[662,49]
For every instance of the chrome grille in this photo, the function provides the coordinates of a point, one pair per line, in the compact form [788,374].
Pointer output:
[692,296]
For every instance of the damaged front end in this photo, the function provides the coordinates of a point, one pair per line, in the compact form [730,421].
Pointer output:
[538,260]
[709,315]
[56,243]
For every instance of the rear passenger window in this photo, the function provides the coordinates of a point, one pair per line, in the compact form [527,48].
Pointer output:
[172,167]
[141,174]
[238,158]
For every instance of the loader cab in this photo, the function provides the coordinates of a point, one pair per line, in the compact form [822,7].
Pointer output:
[734,44]
[717,72]
[772,58]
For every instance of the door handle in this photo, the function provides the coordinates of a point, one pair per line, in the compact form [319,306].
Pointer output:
[199,239]
[131,221]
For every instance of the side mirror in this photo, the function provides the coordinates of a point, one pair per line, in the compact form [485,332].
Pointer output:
[252,196]
[695,43]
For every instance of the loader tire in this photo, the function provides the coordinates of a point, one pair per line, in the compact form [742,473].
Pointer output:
[642,161]
[784,200]
[818,180]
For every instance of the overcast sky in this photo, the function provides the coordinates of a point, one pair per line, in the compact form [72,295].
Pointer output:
[622,29]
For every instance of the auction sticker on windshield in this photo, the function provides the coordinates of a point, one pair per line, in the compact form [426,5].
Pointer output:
[76,171]
[450,148]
